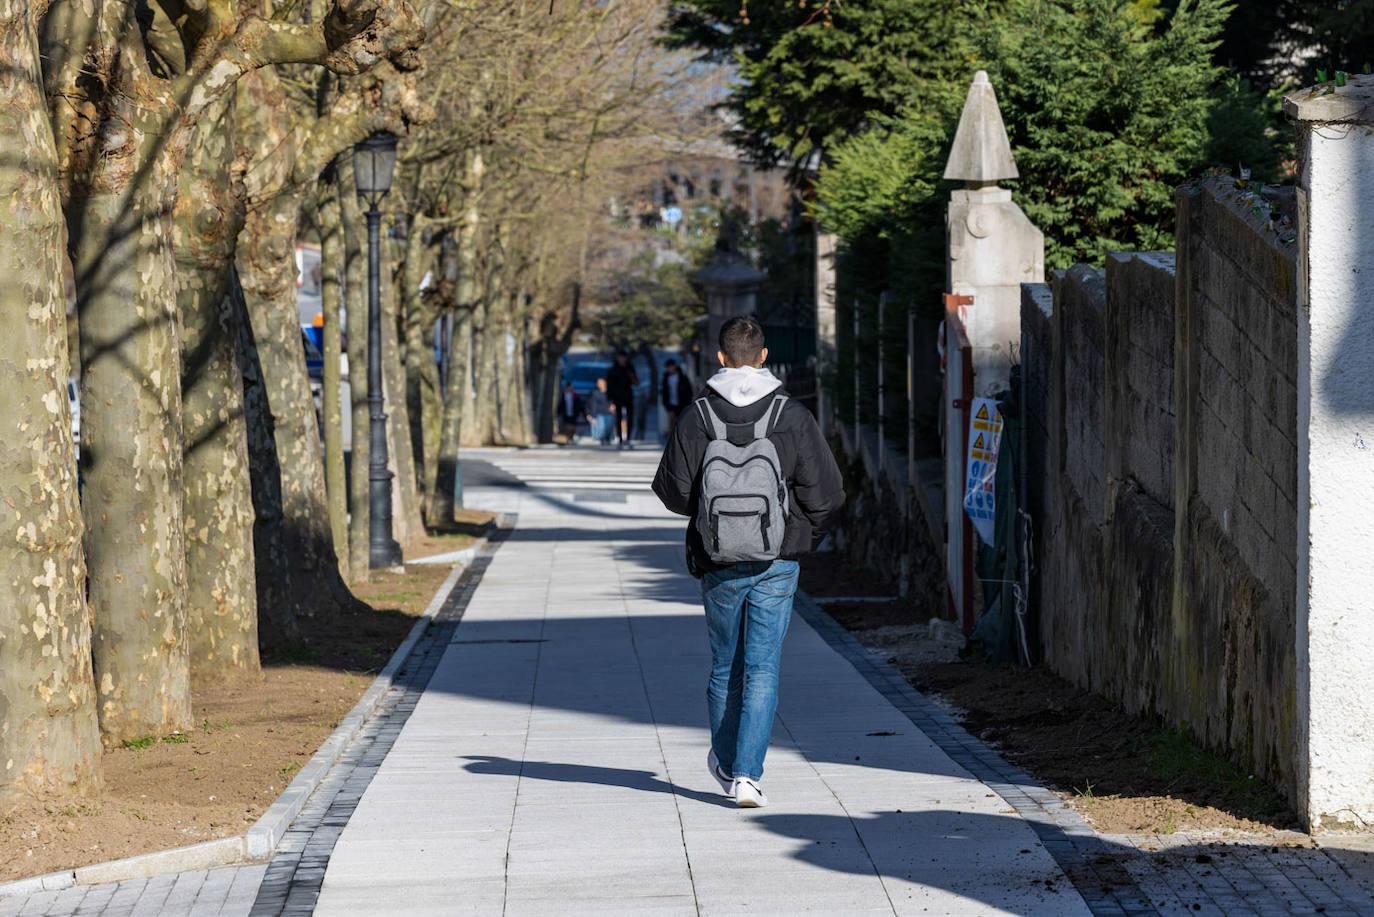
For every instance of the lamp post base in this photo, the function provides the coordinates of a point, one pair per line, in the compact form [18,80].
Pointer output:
[383,556]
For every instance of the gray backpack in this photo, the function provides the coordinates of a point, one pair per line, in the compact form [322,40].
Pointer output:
[742,508]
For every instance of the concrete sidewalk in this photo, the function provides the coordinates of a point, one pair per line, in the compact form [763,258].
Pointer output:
[542,751]
[555,764]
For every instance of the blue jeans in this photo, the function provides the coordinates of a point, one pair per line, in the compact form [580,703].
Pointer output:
[600,427]
[748,608]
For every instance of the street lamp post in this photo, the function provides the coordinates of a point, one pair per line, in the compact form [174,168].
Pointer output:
[374,160]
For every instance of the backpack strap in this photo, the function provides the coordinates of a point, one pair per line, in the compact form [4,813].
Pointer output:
[714,425]
[764,426]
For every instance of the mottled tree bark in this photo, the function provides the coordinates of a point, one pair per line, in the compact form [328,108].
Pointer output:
[355,303]
[121,190]
[512,394]
[126,83]
[451,433]
[277,625]
[407,520]
[546,353]
[131,459]
[267,270]
[221,600]
[488,340]
[422,372]
[479,407]
[49,739]
[331,301]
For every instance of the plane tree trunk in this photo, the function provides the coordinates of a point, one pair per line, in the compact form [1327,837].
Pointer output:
[221,596]
[49,739]
[406,516]
[331,306]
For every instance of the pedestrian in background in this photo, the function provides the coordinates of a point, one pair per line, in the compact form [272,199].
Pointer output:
[600,413]
[570,411]
[676,393]
[751,467]
[620,386]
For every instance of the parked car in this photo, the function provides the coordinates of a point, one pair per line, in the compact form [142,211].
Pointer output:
[314,360]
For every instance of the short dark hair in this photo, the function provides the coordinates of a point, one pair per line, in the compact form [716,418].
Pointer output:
[671,362]
[741,340]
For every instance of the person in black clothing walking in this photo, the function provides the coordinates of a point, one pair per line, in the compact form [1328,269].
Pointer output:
[676,393]
[569,411]
[620,385]
[749,604]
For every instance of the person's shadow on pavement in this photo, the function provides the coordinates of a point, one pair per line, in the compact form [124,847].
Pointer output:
[583,773]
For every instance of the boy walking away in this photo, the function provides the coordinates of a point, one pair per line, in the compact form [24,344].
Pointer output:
[677,393]
[751,468]
[620,386]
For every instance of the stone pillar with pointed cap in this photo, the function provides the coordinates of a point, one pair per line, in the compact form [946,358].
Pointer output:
[993,247]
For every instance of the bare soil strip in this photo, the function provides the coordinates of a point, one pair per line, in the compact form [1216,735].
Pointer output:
[251,735]
[1124,773]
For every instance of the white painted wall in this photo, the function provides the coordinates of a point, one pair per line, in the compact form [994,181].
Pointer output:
[1335,602]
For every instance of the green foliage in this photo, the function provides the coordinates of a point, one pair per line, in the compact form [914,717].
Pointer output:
[654,303]
[1106,116]
[1246,130]
[808,80]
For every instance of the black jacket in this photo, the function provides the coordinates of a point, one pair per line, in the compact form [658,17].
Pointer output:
[815,489]
[576,413]
[684,389]
[620,383]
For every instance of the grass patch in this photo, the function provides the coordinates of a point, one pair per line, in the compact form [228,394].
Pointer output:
[1176,758]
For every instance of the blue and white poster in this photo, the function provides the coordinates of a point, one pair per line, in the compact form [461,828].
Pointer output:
[984,438]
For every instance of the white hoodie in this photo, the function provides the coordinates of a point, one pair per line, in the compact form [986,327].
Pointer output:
[743,385]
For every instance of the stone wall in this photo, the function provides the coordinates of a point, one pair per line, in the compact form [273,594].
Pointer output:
[886,526]
[1140,389]
[1236,477]
[1163,481]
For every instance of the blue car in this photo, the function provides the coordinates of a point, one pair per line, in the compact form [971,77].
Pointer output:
[583,377]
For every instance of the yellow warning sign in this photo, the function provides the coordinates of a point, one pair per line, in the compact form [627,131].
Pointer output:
[979,495]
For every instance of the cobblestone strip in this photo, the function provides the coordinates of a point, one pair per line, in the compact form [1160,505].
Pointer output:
[296,872]
[1121,876]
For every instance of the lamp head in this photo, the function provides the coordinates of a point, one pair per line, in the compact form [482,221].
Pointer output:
[374,162]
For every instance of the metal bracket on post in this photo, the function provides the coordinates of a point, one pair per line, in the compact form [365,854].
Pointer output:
[954,300]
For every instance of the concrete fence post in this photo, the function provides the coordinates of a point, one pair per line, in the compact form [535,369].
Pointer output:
[1335,619]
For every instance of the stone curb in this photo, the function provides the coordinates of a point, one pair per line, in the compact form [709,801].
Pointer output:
[260,840]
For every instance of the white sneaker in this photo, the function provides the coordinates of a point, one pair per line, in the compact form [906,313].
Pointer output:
[727,785]
[747,794]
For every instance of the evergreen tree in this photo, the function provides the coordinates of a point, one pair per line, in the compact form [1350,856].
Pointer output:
[1107,112]
[812,73]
